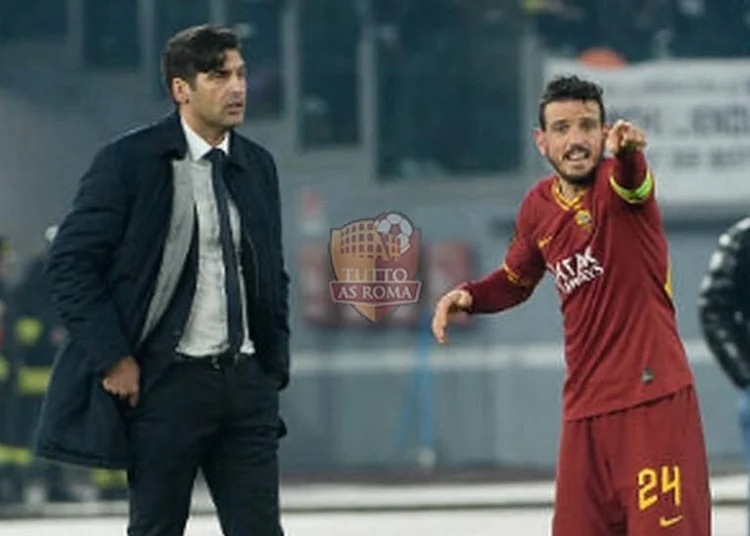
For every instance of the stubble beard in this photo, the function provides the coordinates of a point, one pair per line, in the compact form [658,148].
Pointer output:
[577,180]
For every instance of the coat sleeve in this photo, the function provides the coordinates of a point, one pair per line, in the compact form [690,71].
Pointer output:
[81,256]
[722,316]
[281,305]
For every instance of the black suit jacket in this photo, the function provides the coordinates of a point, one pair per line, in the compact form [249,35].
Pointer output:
[103,266]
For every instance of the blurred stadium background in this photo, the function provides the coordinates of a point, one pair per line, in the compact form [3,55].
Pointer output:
[425,107]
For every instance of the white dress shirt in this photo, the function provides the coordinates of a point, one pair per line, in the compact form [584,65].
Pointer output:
[205,332]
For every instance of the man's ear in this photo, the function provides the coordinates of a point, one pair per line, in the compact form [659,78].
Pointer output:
[180,90]
[541,141]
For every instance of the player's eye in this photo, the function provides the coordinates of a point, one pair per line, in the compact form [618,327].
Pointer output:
[218,74]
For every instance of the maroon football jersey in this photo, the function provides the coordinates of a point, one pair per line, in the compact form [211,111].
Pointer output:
[607,253]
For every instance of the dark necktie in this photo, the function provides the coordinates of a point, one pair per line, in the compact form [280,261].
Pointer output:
[217,158]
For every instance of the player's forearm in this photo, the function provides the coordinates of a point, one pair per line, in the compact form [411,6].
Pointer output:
[497,291]
[631,169]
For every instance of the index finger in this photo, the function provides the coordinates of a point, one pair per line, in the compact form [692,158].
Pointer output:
[619,125]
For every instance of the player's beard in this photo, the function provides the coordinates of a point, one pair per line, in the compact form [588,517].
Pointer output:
[578,179]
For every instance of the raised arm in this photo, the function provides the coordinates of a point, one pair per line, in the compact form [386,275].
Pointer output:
[631,178]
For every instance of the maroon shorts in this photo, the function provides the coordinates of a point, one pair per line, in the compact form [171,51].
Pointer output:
[642,471]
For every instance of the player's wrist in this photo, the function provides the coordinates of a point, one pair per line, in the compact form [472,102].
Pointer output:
[628,151]
[464,297]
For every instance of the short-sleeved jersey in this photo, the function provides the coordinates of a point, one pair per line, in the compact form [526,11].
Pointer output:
[607,253]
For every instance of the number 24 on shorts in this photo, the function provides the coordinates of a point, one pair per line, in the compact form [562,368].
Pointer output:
[653,483]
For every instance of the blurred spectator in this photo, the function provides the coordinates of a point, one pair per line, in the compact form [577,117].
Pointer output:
[724,312]
[428,112]
[258,23]
[329,105]
[716,28]
[30,19]
[35,333]
[564,26]
[638,29]
[10,478]
[641,30]
[111,40]
[448,87]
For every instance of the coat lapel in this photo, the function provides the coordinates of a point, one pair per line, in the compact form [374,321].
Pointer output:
[248,189]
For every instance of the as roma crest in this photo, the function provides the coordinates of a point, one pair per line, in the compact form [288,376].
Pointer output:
[584,219]
[375,262]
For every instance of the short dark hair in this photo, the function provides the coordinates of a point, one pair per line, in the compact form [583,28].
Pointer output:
[198,49]
[570,88]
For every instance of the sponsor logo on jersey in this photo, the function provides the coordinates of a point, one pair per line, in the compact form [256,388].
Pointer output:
[576,270]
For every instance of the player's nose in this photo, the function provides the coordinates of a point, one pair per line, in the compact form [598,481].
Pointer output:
[576,138]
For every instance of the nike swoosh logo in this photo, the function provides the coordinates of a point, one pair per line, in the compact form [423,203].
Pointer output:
[669,521]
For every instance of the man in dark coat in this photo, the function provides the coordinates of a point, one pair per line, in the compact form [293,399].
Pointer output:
[169,276]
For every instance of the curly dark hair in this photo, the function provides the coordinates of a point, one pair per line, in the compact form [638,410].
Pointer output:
[570,88]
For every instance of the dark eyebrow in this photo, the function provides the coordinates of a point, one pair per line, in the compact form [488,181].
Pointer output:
[224,70]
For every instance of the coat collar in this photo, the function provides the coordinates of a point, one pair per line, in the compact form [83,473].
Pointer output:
[171,141]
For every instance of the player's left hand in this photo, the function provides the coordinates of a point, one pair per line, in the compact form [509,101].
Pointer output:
[450,306]
[625,136]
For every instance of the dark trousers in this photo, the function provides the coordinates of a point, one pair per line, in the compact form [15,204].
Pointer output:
[222,420]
